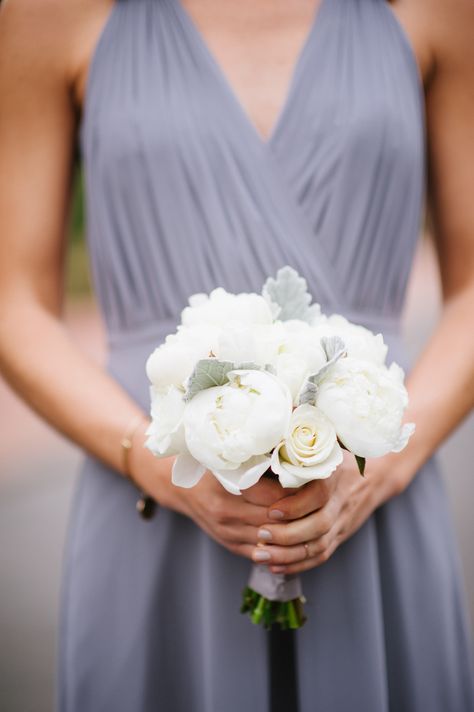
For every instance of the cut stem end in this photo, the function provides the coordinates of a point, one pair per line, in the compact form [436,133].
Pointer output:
[284,614]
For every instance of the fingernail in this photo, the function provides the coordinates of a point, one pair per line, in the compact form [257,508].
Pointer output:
[264,534]
[261,555]
[278,569]
[276,514]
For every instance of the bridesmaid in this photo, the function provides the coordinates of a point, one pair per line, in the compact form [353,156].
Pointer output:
[149,617]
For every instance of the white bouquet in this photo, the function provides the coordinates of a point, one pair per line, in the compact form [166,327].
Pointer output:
[266,384]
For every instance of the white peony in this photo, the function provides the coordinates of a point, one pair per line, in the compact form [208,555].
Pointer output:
[365,402]
[166,431]
[237,343]
[170,364]
[230,429]
[294,350]
[292,370]
[361,343]
[309,450]
[221,308]
[300,339]
[173,361]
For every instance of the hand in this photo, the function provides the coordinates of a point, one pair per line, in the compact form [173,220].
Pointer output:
[319,516]
[266,491]
[231,520]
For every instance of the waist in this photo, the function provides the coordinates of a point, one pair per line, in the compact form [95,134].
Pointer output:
[129,348]
[154,331]
[151,331]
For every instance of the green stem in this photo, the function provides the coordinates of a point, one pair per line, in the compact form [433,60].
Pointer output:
[285,614]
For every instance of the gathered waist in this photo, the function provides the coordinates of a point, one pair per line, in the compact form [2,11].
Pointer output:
[156,331]
[129,348]
[146,332]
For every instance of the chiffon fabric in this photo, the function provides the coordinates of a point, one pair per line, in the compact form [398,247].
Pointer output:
[184,195]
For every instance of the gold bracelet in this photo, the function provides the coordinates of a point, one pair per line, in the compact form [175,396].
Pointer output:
[127,443]
[145,505]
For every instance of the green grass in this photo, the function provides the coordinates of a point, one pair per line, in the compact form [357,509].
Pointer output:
[78,283]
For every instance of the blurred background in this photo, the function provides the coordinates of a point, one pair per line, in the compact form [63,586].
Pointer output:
[37,476]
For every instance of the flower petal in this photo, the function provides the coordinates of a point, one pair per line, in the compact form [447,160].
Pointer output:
[244,476]
[297,475]
[406,432]
[186,471]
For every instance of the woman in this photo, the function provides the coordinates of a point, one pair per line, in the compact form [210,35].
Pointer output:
[200,173]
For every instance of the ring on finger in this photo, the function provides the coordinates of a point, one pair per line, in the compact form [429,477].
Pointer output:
[306,548]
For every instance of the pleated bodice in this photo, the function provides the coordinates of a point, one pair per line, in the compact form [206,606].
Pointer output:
[183,195]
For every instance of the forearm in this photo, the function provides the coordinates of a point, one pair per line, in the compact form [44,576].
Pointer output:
[74,394]
[441,384]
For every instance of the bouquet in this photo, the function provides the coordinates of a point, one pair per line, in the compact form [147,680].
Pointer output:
[252,384]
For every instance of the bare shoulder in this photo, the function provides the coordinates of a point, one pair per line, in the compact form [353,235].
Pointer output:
[442,31]
[451,27]
[51,39]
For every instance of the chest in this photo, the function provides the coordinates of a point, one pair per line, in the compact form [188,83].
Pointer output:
[257,47]
[177,157]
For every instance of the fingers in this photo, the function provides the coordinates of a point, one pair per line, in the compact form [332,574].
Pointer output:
[238,534]
[266,491]
[275,555]
[303,501]
[309,563]
[244,550]
[295,532]
[299,541]
[248,513]
[224,508]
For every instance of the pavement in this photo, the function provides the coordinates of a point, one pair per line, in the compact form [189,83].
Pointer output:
[37,475]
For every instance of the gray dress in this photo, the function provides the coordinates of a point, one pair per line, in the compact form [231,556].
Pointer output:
[182,196]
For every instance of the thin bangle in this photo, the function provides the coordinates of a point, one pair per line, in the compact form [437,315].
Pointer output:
[146,505]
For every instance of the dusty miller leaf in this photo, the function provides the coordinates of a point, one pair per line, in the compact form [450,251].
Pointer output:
[308,393]
[207,373]
[210,372]
[334,348]
[289,291]
[270,369]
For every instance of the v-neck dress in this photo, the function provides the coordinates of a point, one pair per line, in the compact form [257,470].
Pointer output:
[184,195]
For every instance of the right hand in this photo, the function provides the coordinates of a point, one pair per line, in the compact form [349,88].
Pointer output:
[229,519]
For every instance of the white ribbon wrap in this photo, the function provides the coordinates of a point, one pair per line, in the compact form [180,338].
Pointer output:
[275,587]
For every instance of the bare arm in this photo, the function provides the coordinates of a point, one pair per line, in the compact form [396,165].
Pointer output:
[441,385]
[37,357]
[37,131]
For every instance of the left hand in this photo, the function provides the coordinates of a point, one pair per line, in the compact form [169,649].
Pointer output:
[317,517]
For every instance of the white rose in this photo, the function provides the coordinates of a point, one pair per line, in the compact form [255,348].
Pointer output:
[221,308]
[365,402]
[231,429]
[361,343]
[309,451]
[166,430]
